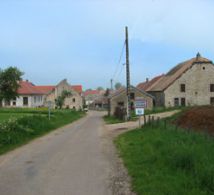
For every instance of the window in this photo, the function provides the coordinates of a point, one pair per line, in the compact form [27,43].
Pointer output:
[203,68]
[183,102]
[132,96]
[34,99]
[212,100]
[25,101]
[132,105]
[182,88]
[176,101]
[74,100]
[7,103]
[14,102]
[120,104]
[211,87]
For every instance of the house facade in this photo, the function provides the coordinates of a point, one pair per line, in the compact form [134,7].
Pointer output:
[91,95]
[74,101]
[119,99]
[189,83]
[31,96]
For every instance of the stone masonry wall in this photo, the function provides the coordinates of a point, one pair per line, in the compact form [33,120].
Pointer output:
[197,82]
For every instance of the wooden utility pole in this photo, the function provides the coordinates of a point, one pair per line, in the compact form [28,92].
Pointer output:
[111,84]
[127,75]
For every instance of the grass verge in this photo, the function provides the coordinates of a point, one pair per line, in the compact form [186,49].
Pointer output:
[168,161]
[18,131]
[112,120]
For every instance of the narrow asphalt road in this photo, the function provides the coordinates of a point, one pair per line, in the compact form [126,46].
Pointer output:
[69,161]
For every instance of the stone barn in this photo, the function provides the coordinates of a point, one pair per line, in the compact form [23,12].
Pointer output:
[189,83]
[119,98]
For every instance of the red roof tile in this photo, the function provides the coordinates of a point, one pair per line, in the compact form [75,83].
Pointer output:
[28,88]
[45,89]
[77,88]
[91,92]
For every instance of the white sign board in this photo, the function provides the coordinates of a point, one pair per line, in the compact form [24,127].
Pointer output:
[139,111]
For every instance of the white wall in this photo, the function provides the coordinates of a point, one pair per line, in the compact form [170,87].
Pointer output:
[33,101]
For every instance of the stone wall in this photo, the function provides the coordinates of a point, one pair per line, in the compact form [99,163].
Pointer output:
[74,101]
[197,82]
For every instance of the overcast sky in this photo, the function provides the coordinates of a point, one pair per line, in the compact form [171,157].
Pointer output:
[81,40]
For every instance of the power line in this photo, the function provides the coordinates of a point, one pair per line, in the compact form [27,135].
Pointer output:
[119,61]
[119,73]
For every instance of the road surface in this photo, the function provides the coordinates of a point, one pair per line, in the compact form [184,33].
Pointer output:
[69,161]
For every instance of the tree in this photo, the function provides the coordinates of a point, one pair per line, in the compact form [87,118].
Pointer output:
[61,99]
[100,88]
[9,83]
[118,86]
[107,92]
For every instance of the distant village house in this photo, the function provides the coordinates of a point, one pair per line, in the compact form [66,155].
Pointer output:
[32,96]
[119,99]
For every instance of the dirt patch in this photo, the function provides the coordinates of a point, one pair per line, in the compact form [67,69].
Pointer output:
[198,118]
[121,129]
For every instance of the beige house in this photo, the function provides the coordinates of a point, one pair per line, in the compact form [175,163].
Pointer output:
[74,101]
[189,83]
[119,98]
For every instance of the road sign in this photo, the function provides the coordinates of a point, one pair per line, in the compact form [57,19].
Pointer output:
[139,111]
[140,103]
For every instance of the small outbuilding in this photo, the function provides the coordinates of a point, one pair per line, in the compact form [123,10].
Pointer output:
[119,99]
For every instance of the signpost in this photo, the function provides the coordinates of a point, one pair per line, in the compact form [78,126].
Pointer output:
[49,110]
[140,105]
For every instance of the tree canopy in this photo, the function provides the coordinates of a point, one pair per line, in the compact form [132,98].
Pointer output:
[9,83]
[100,88]
[118,85]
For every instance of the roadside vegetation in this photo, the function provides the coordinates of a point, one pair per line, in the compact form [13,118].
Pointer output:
[165,158]
[19,126]
[114,119]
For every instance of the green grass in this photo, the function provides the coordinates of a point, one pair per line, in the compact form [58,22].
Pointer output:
[168,161]
[112,120]
[28,126]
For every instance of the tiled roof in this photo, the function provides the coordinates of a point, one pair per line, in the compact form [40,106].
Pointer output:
[147,84]
[45,89]
[28,88]
[77,88]
[91,92]
[123,89]
[176,72]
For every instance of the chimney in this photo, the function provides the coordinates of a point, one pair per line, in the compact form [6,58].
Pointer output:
[27,80]
[198,55]
[147,80]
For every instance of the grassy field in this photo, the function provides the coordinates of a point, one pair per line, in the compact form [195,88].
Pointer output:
[168,161]
[18,128]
